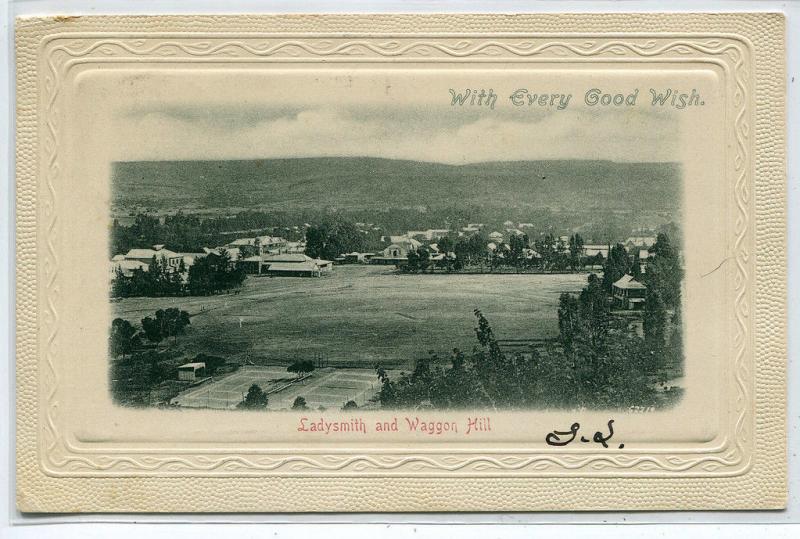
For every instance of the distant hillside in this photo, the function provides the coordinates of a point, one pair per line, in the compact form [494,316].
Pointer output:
[361,182]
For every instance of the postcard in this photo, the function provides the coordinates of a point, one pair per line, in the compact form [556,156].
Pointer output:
[401,263]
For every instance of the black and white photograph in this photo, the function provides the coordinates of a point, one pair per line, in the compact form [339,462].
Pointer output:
[399,243]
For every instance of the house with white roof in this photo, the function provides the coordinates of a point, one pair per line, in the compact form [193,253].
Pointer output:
[257,245]
[639,241]
[397,252]
[294,265]
[590,250]
[496,236]
[120,264]
[145,256]
[628,293]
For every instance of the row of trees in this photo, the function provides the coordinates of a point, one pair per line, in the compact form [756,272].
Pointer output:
[124,337]
[547,253]
[159,279]
[213,274]
[209,274]
[186,232]
[332,238]
[257,399]
[190,233]
[611,376]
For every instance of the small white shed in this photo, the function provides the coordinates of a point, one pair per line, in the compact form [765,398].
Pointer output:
[191,371]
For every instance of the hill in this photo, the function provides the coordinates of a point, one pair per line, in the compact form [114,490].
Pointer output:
[362,182]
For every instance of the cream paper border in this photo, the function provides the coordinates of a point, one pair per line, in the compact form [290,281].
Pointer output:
[746,471]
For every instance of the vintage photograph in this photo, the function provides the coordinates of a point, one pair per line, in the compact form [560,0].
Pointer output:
[401,263]
[483,248]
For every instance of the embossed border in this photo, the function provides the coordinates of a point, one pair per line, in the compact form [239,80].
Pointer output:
[732,51]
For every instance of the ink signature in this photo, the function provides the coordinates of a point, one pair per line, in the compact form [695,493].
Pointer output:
[555,437]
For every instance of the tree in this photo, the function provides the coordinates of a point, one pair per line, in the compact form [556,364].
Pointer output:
[446,245]
[616,266]
[299,404]
[214,273]
[594,311]
[120,285]
[518,243]
[424,259]
[654,323]
[476,248]
[546,247]
[461,250]
[153,329]
[349,405]
[333,238]
[123,337]
[636,267]
[255,398]
[664,274]
[166,323]
[568,320]
[412,264]
[213,363]
[175,321]
[575,251]
[663,247]
[301,367]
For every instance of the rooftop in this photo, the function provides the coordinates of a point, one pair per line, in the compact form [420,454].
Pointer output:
[627,282]
[641,240]
[293,266]
[192,366]
[150,253]
[287,257]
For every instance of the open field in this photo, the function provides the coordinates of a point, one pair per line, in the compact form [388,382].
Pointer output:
[328,387]
[361,315]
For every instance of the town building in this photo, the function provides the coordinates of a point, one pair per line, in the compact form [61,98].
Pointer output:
[294,247]
[234,253]
[258,245]
[356,258]
[628,293]
[644,257]
[530,254]
[250,264]
[171,258]
[428,235]
[591,250]
[397,252]
[120,264]
[295,265]
[644,242]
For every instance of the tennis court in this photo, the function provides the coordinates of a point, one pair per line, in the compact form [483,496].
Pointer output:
[327,387]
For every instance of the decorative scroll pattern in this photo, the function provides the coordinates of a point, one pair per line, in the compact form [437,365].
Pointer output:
[65,50]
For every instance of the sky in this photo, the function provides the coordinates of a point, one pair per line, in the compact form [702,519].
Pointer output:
[399,114]
[424,133]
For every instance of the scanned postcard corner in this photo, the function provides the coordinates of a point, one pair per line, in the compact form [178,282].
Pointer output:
[314,259]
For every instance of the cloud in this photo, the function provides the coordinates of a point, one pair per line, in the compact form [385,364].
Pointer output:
[220,116]
[442,134]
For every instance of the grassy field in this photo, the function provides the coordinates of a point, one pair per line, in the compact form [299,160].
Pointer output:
[361,315]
